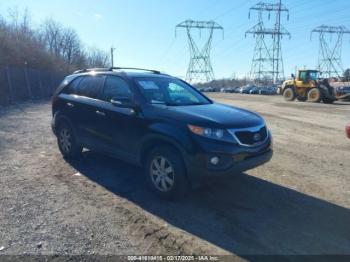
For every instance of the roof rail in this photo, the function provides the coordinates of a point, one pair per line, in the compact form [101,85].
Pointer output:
[134,68]
[85,70]
[90,70]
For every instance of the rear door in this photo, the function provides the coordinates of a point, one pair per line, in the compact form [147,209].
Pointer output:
[68,102]
[85,105]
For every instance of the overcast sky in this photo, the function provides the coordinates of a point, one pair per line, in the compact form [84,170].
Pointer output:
[143,32]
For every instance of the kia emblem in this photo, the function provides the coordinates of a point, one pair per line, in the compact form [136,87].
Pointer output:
[257,137]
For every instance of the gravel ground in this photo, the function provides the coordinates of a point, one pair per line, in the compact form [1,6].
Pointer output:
[296,204]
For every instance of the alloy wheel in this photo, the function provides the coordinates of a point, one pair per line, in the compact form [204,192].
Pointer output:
[65,140]
[162,174]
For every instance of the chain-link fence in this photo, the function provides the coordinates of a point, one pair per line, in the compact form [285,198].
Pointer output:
[22,83]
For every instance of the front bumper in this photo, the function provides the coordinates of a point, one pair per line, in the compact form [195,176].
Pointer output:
[234,160]
[236,167]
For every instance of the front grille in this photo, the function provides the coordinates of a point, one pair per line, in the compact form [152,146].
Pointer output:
[247,137]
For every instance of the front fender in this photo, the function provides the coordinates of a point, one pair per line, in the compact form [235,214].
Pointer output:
[287,83]
[175,134]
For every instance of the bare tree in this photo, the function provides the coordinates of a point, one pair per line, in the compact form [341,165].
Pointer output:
[52,36]
[52,46]
[20,22]
[97,58]
[71,46]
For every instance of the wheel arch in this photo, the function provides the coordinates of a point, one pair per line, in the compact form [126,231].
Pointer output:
[292,87]
[59,118]
[288,86]
[155,140]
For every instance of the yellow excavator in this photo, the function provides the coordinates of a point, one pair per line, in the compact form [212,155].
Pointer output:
[307,86]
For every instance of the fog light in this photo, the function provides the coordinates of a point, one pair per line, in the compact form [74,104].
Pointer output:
[214,160]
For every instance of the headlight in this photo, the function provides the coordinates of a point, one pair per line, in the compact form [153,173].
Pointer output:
[213,133]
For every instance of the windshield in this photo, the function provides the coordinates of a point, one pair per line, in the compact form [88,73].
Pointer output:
[313,75]
[169,91]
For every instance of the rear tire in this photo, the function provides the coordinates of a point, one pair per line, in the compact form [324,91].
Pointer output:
[289,94]
[66,141]
[166,173]
[314,95]
[327,94]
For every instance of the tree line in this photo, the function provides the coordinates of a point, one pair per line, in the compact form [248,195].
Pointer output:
[49,46]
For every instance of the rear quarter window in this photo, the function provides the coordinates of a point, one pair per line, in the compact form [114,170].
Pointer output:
[72,88]
[88,86]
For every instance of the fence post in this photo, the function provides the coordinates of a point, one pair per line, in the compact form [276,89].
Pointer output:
[40,85]
[9,84]
[52,84]
[27,83]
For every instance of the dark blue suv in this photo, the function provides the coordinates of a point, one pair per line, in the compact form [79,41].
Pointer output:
[159,122]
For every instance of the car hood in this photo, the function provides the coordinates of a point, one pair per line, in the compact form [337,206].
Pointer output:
[212,115]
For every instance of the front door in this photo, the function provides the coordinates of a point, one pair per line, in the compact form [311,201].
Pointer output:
[119,126]
[303,83]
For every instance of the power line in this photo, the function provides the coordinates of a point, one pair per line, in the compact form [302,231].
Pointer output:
[232,8]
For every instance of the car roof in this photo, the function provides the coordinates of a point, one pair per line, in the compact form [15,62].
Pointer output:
[131,73]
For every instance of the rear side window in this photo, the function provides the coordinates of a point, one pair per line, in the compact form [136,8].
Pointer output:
[115,87]
[72,88]
[89,86]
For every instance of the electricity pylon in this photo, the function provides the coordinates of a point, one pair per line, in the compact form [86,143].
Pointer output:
[261,68]
[267,63]
[199,68]
[329,58]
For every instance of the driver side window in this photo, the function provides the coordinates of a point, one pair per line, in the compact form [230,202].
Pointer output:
[115,87]
[178,92]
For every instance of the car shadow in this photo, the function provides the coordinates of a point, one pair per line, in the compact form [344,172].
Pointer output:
[244,215]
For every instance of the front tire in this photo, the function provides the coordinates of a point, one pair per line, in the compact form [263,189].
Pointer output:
[66,141]
[289,94]
[166,173]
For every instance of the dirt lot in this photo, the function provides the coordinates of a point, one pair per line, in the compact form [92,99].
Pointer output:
[296,204]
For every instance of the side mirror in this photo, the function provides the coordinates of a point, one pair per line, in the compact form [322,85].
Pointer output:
[293,76]
[123,102]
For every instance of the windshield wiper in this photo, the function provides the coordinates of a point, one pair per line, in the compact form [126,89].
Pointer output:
[158,103]
[188,104]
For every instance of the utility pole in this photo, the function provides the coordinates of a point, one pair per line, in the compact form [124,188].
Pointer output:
[112,56]
[30,95]
[199,68]
[329,59]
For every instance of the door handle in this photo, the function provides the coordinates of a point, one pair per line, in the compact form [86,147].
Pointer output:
[70,104]
[100,113]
